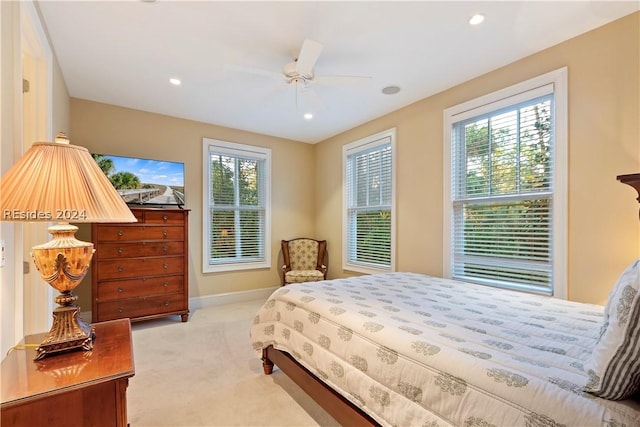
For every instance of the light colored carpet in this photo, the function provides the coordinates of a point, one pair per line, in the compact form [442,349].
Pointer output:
[205,373]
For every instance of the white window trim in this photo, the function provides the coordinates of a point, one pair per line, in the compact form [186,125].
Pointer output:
[358,145]
[558,78]
[234,149]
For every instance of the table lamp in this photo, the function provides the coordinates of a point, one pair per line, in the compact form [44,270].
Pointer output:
[60,183]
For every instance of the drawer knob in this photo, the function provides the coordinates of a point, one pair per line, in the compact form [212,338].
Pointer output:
[166,303]
[120,250]
[120,289]
[120,268]
[164,233]
[120,233]
[165,218]
[165,248]
[165,265]
[165,284]
[120,309]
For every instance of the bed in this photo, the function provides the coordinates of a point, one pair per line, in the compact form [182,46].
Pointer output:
[406,349]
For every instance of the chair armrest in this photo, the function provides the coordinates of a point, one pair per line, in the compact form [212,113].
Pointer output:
[323,269]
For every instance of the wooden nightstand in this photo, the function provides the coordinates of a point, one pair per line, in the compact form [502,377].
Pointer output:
[80,388]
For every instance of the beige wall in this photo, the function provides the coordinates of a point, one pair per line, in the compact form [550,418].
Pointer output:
[120,131]
[60,120]
[604,141]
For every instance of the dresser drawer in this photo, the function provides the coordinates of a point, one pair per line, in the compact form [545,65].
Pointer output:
[118,233]
[140,307]
[139,267]
[139,249]
[165,217]
[152,286]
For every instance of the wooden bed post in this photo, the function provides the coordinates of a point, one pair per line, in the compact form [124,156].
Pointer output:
[267,365]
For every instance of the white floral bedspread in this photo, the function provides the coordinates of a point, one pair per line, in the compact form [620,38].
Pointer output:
[415,350]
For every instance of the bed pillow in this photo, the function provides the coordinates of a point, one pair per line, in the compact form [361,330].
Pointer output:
[614,365]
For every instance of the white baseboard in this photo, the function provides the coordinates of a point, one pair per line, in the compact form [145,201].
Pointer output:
[230,298]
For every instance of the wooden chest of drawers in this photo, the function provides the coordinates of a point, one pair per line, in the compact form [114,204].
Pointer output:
[139,270]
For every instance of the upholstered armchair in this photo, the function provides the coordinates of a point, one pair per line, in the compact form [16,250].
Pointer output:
[303,260]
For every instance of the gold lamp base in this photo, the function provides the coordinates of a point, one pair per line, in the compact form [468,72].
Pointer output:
[68,332]
[63,262]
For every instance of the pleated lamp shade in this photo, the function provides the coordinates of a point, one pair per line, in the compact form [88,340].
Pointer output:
[60,182]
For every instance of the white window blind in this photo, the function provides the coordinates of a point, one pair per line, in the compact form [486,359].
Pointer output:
[369,203]
[502,195]
[237,208]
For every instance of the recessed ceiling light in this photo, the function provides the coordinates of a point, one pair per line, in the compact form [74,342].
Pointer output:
[390,90]
[308,116]
[175,82]
[476,19]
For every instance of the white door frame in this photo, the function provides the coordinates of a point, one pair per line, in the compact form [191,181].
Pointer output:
[34,300]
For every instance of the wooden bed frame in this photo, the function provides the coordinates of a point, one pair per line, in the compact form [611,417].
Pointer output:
[345,412]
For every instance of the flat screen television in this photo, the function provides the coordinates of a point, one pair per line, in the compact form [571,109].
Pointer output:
[144,182]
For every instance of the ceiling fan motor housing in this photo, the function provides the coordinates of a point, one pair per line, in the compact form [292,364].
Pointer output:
[292,74]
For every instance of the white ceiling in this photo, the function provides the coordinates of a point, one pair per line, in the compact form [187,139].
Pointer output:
[124,52]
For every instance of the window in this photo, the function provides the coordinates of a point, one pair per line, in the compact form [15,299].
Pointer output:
[506,205]
[369,211]
[236,215]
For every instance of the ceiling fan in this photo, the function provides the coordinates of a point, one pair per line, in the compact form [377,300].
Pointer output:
[300,73]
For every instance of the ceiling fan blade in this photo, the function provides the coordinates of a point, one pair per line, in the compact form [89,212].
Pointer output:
[255,71]
[341,80]
[313,100]
[267,97]
[306,99]
[308,56]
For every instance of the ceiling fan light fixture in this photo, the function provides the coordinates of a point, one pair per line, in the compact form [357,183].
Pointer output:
[291,73]
[308,116]
[174,81]
[390,90]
